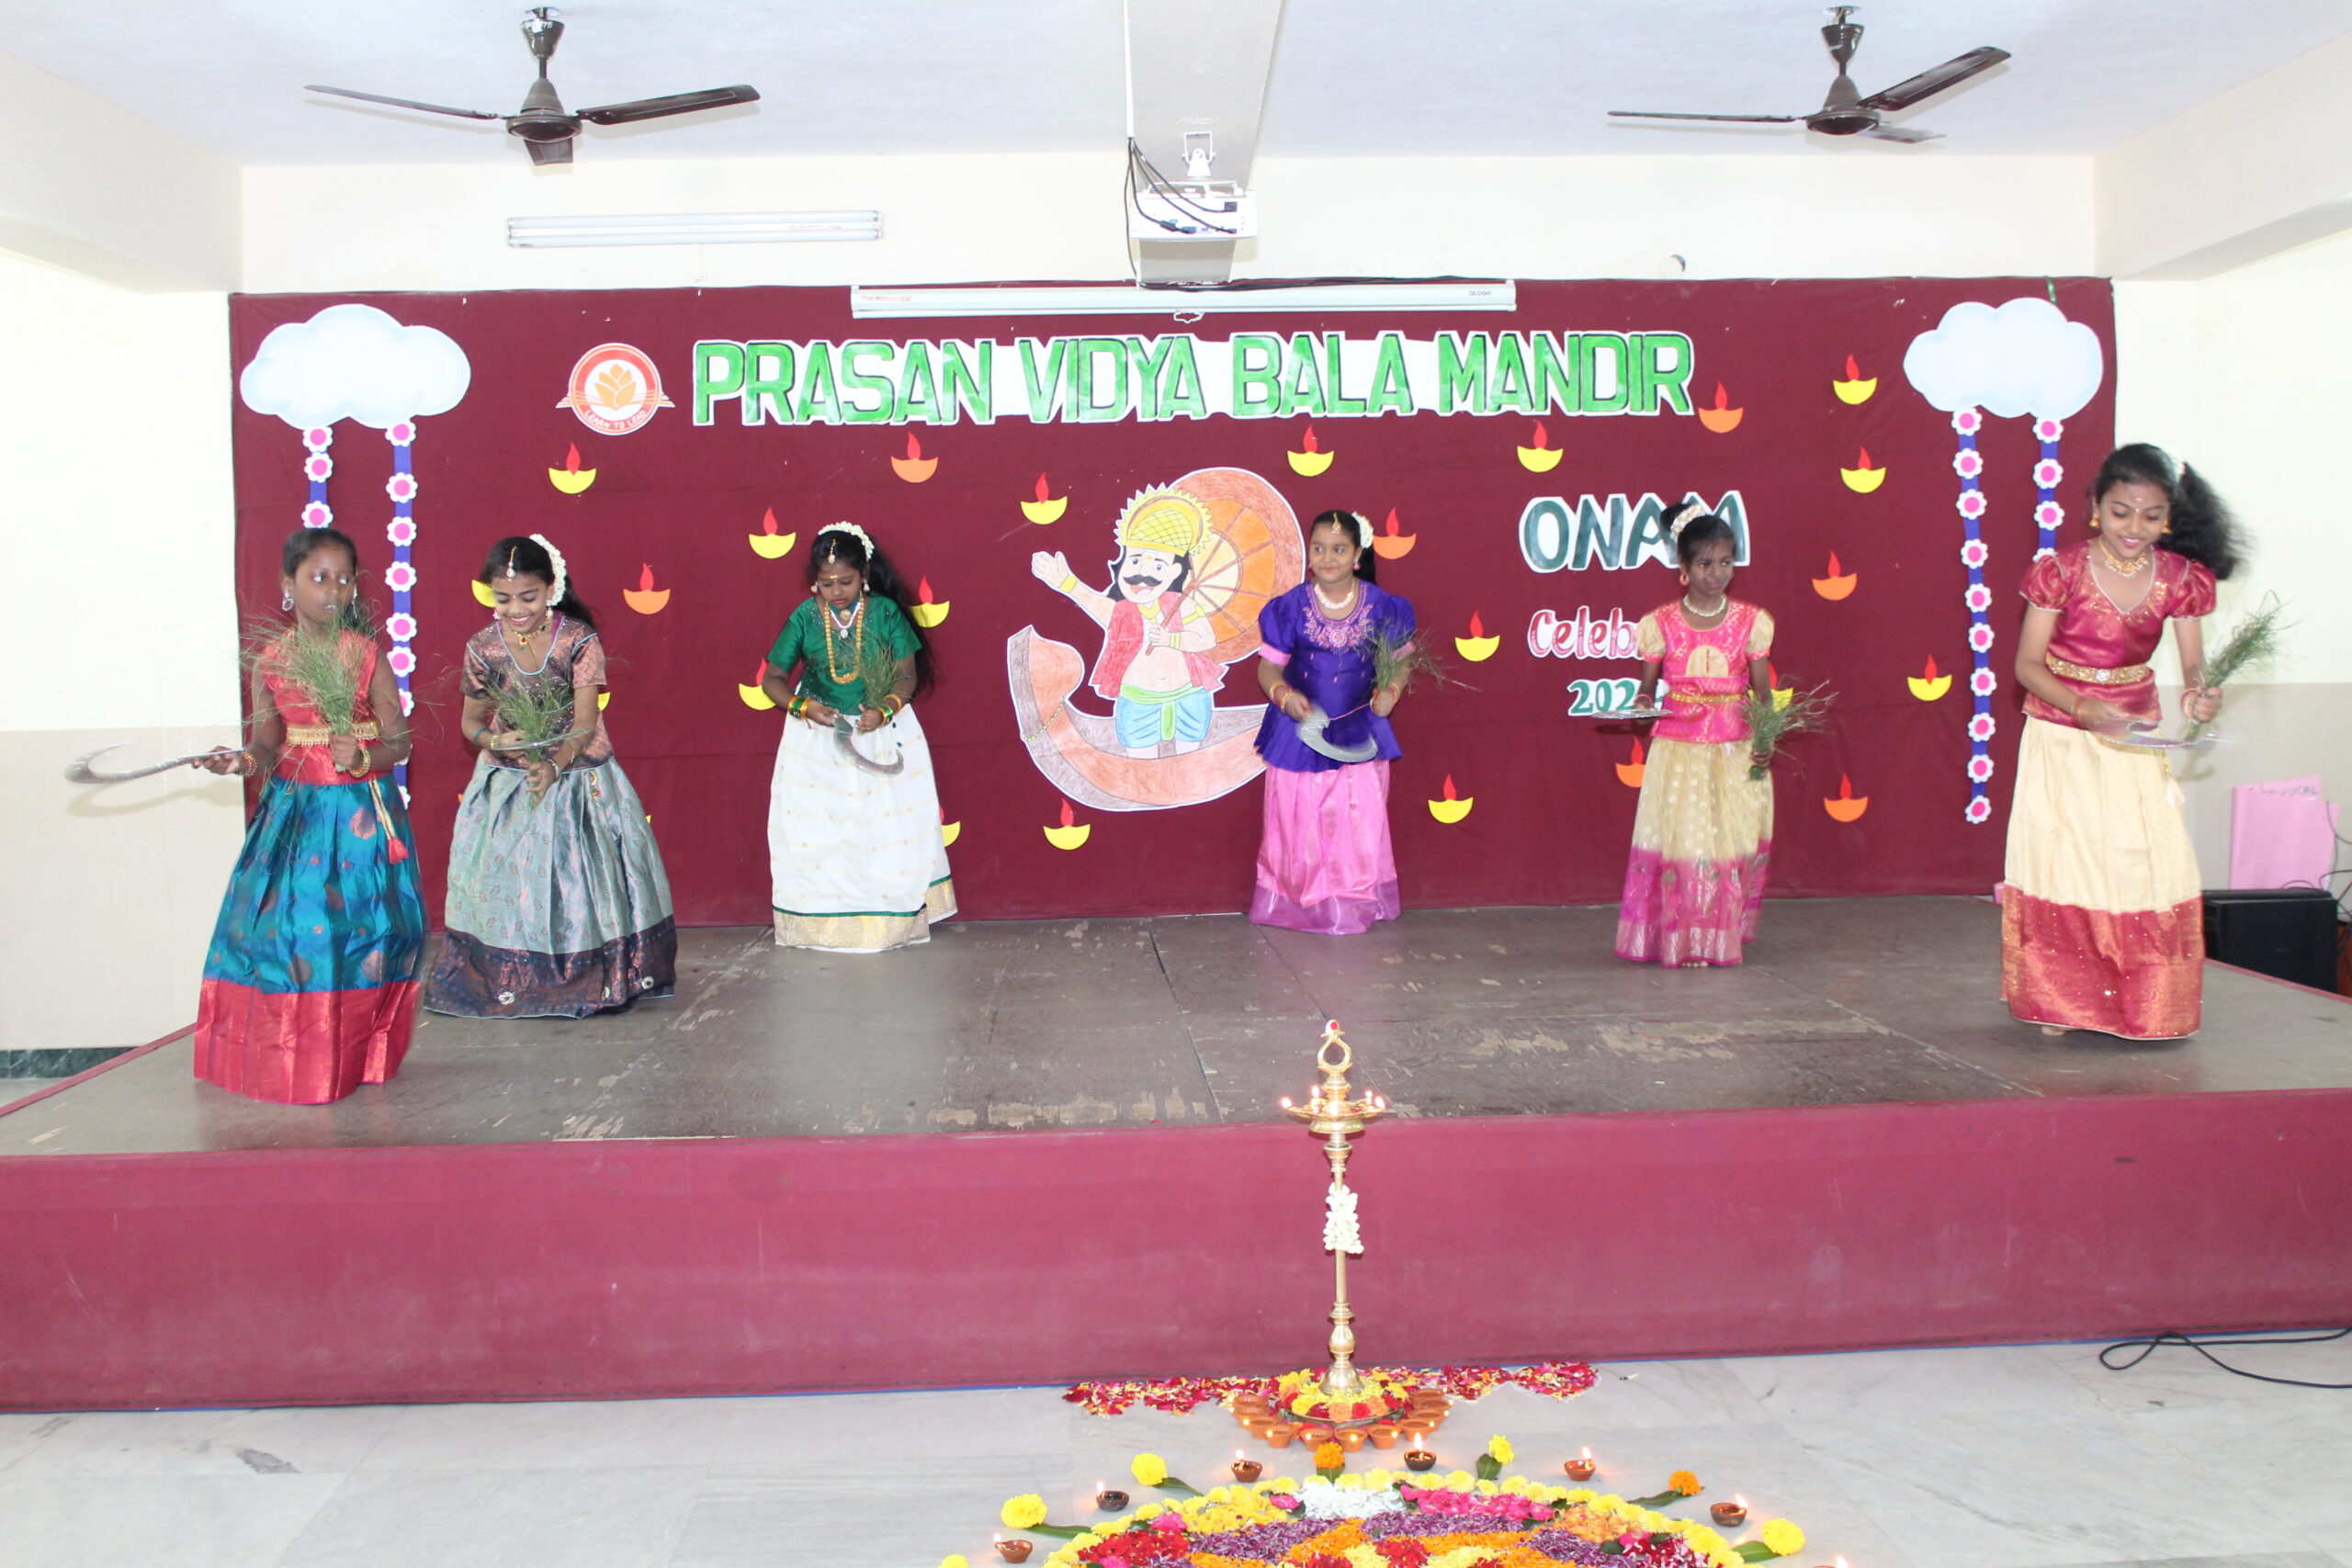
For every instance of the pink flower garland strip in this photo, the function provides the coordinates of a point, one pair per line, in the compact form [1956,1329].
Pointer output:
[1178,1396]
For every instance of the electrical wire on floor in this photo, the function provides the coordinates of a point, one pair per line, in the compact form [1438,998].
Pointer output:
[2148,1346]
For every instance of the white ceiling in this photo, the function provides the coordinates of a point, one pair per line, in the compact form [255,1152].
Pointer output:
[1351,77]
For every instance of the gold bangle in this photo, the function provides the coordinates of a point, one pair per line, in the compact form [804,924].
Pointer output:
[1068,582]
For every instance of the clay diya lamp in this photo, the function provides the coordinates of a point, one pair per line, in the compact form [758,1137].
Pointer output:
[1579,1468]
[1731,1514]
[1013,1551]
[1350,1439]
[1384,1434]
[1279,1435]
[1419,1458]
[1110,1501]
[1247,1470]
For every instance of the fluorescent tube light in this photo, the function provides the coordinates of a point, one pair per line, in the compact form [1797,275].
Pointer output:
[693,229]
[1124,299]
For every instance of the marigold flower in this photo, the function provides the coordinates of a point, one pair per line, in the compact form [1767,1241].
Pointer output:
[1149,1469]
[1682,1481]
[1782,1536]
[1024,1512]
[1498,1448]
[1329,1456]
[954,1560]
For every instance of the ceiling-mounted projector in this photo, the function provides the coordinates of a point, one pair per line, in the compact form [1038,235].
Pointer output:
[1192,209]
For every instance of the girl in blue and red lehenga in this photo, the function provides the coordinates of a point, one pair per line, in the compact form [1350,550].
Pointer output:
[309,986]
[1325,864]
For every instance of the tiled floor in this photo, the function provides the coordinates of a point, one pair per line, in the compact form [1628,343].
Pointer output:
[2017,1456]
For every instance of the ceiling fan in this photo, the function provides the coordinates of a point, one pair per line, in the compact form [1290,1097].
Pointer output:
[543,123]
[1845,112]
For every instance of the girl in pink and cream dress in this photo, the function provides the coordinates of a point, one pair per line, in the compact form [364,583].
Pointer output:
[1703,832]
[2102,923]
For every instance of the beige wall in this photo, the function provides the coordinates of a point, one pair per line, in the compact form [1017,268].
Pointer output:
[116,624]
[2244,375]
[1057,217]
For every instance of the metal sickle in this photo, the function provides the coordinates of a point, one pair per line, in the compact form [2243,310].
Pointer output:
[842,730]
[79,771]
[1310,730]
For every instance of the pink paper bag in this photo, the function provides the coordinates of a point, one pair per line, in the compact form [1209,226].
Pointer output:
[2282,834]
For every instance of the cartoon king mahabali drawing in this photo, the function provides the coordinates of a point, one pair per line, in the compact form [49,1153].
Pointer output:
[1197,560]
[1154,667]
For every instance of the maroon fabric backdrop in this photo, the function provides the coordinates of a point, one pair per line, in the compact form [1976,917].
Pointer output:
[1550,815]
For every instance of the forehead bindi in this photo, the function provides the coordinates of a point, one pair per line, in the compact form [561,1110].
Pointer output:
[327,563]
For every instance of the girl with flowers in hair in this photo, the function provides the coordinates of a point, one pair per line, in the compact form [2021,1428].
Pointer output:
[309,986]
[2101,923]
[1325,864]
[855,852]
[1703,830]
[557,906]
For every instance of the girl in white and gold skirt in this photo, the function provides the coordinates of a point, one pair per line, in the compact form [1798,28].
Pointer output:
[856,859]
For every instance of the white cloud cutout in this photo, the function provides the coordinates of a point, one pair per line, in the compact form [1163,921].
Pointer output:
[2024,357]
[354,361]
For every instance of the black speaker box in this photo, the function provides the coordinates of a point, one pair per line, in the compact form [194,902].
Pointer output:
[2287,932]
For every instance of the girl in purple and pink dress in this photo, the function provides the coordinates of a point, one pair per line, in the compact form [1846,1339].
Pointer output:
[1324,862]
[1702,833]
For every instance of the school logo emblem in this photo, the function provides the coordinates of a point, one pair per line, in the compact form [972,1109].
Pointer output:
[615,389]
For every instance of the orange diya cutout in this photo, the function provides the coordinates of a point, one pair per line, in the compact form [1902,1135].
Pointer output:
[927,610]
[1630,773]
[757,700]
[1477,647]
[1855,388]
[1049,507]
[914,468]
[1388,544]
[483,596]
[1311,459]
[1864,477]
[1454,808]
[1846,806]
[646,599]
[1542,457]
[1837,583]
[1928,685]
[1723,419]
[1071,833]
[769,544]
[571,479]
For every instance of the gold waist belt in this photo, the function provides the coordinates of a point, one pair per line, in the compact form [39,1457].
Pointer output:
[1706,696]
[319,735]
[2123,677]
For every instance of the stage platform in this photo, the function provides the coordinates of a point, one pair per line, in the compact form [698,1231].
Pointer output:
[1034,1152]
[1206,1021]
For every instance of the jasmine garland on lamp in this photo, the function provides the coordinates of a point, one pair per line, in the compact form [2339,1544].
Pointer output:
[310,982]
[2101,924]
[855,851]
[1325,863]
[1703,830]
[558,905]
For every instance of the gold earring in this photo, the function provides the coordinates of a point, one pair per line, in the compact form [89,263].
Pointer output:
[2094,524]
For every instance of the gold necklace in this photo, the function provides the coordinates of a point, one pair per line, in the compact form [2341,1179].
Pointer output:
[852,636]
[2122,569]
